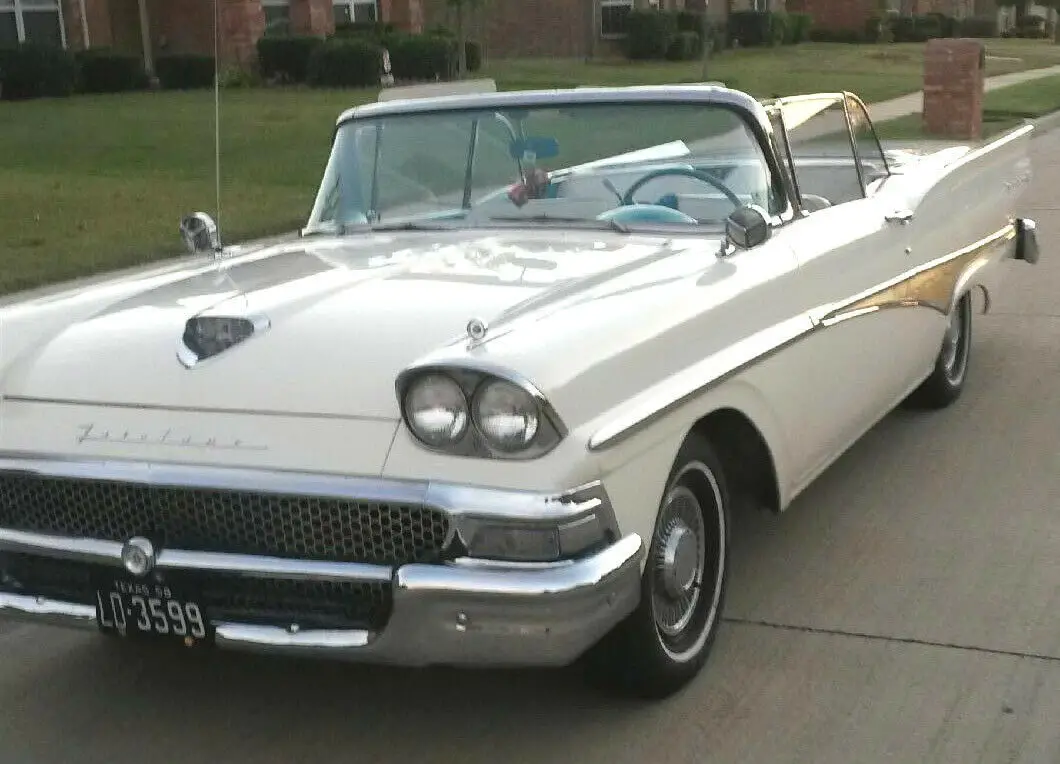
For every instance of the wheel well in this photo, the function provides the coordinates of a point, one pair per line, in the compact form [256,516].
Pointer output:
[745,456]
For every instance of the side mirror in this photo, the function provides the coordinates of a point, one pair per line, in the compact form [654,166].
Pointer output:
[747,227]
[200,233]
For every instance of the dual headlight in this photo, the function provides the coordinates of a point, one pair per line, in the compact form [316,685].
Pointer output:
[476,414]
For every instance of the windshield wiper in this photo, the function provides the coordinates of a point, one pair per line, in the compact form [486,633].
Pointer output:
[614,225]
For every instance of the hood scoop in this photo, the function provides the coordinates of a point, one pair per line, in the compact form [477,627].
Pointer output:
[208,336]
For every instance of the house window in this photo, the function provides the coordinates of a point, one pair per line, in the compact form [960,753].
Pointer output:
[360,11]
[277,16]
[613,15]
[33,21]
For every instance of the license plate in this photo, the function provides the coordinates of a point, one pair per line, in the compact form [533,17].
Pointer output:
[133,609]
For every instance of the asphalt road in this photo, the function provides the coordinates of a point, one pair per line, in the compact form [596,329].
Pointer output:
[906,609]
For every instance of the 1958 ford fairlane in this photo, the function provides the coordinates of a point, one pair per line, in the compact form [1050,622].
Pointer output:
[499,399]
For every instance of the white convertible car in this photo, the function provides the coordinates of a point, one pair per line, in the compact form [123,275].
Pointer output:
[497,402]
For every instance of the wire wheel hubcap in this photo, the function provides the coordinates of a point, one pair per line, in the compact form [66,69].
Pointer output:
[679,564]
[687,563]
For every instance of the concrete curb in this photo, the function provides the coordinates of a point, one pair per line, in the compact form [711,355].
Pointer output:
[1046,122]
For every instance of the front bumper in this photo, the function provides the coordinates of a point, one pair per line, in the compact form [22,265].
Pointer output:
[467,612]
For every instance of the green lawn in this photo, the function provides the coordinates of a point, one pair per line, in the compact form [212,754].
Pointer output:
[94,183]
[1002,110]
[874,72]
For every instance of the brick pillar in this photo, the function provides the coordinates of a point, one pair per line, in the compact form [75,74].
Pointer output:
[242,25]
[406,15]
[953,88]
[312,17]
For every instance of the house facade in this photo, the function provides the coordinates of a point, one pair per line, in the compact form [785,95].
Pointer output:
[506,28]
[557,28]
[151,27]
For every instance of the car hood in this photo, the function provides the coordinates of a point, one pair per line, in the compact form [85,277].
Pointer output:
[338,318]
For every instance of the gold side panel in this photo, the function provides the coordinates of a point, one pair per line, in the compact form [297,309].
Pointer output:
[935,285]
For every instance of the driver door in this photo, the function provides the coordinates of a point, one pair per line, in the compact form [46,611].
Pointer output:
[849,245]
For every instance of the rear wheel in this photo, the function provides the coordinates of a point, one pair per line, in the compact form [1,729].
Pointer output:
[665,642]
[946,381]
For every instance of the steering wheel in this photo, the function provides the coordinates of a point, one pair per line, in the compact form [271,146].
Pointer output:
[688,172]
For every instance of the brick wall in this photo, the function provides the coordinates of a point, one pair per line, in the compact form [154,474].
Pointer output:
[182,26]
[97,13]
[409,14]
[242,25]
[312,17]
[187,26]
[839,14]
[72,20]
[522,28]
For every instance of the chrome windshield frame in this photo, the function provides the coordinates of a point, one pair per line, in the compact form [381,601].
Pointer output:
[750,111]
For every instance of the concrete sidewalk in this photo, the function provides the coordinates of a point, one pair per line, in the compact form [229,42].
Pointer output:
[914,102]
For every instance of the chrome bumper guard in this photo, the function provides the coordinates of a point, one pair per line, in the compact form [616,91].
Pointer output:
[469,612]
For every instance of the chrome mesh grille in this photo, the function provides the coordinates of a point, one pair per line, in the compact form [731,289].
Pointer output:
[237,522]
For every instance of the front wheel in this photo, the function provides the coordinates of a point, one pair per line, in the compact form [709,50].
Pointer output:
[664,643]
[946,381]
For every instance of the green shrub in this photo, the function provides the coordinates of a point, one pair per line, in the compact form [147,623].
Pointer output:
[648,34]
[718,34]
[105,71]
[237,77]
[875,26]
[977,27]
[353,62]
[472,50]
[921,28]
[692,21]
[286,58]
[185,71]
[778,28]
[36,71]
[473,56]
[750,29]
[1034,27]
[947,25]
[799,25]
[422,57]
[685,46]
[689,21]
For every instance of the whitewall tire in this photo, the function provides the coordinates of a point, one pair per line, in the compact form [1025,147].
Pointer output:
[664,643]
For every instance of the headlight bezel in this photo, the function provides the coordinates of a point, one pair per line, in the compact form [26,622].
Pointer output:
[472,380]
[417,431]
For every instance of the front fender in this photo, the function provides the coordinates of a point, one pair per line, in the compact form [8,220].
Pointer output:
[635,470]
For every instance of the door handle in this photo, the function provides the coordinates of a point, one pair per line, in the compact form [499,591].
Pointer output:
[899,216]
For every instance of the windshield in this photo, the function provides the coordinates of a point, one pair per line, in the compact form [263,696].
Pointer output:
[683,166]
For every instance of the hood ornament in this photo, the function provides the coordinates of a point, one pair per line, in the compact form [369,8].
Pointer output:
[206,336]
[477,329]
